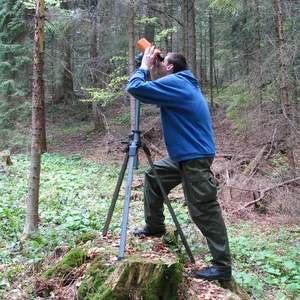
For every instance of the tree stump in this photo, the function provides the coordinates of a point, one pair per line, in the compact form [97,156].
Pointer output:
[149,271]
[5,158]
[138,278]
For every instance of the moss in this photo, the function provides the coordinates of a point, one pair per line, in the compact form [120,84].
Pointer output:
[152,281]
[88,236]
[171,239]
[151,297]
[174,278]
[92,286]
[107,295]
[73,259]
[166,284]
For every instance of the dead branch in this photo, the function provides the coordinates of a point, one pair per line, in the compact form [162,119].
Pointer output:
[151,146]
[262,192]
[253,164]
[149,131]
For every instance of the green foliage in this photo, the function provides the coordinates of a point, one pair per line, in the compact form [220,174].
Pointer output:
[87,236]
[115,88]
[69,204]
[239,104]
[10,118]
[225,5]
[147,21]
[165,32]
[124,118]
[31,4]
[14,56]
[279,166]
[266,261]
[10,115]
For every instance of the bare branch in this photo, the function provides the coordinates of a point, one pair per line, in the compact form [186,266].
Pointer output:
[264,191]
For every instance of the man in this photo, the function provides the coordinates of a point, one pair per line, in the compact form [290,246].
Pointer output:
[189,139]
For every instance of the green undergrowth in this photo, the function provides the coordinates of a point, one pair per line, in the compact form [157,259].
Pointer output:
[75,196]
[266,260]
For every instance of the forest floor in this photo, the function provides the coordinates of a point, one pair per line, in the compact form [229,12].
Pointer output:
[247,167]
[246,170]
[254,189]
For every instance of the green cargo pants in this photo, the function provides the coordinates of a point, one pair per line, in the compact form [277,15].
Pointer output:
[200,193]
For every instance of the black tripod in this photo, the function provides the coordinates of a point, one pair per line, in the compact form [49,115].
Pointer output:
[132,156]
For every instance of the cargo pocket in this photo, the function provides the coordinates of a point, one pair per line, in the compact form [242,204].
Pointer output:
[199,182]
[203,191]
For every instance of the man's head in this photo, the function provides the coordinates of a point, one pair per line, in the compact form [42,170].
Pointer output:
[174,62]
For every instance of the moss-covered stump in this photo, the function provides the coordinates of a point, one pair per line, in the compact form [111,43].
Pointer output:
[149,271]
[137,278]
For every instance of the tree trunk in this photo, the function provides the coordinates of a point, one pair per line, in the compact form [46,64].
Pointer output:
[211,57]
[150,28]
[245,38]
[131,59]
[191,38]
[293,6]
[97,118]
[38,120]
[185,28]
[284,97]
[95,82]
[258,49]
[67,77]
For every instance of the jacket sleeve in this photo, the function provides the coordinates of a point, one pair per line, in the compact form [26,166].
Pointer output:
[164,91]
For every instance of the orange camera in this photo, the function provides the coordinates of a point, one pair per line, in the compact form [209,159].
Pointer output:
[143,44]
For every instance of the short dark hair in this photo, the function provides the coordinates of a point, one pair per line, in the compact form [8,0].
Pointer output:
[178,61]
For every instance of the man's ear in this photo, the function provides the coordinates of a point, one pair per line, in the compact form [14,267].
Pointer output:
[170,67]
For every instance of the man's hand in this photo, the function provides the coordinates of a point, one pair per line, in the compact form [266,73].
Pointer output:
[149,58]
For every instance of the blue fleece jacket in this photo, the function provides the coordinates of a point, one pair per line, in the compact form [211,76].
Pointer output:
[185,117]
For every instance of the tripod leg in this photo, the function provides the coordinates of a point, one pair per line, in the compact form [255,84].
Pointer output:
[116,194]
[127,202]
[167,201]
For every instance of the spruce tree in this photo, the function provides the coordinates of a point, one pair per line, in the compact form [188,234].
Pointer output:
[15,60]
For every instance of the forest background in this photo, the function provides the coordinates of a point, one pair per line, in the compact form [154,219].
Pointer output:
[246,56]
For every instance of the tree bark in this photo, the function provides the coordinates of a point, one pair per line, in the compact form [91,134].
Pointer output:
[211,57]
[185,28]
[38,121]
[191,33]
[67,76]
[95,82]
[284,96]
[131,59]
